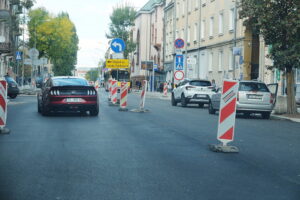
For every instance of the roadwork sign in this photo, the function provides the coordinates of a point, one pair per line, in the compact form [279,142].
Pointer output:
[117,63]
[227,111]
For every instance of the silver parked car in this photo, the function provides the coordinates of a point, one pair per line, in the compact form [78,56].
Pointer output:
[252,97]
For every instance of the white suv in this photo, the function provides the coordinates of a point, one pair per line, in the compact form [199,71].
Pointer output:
[192,92]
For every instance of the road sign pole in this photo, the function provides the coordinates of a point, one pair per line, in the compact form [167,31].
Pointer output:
[153,74]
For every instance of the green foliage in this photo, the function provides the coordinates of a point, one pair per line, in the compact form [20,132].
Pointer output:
[122,19]
[279,23]
[27,3]
[55,38]
[92,75]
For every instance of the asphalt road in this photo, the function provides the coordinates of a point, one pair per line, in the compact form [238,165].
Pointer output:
[162,154]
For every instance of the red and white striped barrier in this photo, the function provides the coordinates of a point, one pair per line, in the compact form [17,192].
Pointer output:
[123,96]
[3,103]
[143,94]
[227,117]
[109,89]
[114,91]
[165,89]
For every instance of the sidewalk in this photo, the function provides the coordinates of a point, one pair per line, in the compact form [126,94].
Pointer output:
[154,95]
[27,90]
[293,118]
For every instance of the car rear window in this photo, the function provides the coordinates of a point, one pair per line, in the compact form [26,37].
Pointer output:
[257,87]
[200,83]
[69,82]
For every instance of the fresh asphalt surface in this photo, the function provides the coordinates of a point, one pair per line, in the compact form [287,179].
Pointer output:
[162,154]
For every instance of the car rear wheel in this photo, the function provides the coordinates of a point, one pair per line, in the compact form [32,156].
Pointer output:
[266,115]
[13,96]
[201,105]
[39,107]
[95,111]
[173,101]
[44,110]
[211,110]
[183,101]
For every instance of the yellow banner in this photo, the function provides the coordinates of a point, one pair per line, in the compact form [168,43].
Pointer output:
[117,63]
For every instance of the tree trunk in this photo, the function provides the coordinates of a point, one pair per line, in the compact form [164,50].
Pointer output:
[291,102]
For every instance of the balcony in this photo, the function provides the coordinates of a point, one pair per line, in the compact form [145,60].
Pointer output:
[5,47]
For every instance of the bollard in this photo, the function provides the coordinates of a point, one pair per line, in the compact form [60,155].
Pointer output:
[3,107]
[143,95]
[227,117]
[123,96]
[109,89]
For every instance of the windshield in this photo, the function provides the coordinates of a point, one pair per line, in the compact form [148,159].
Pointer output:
[120,75]
[69,82]
[251,86]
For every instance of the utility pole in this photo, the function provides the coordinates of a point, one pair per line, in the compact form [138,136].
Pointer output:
[186,36]
[23,53]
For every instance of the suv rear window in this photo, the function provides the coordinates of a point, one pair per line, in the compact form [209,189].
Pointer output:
[200,83]
[257,87]
[69,82]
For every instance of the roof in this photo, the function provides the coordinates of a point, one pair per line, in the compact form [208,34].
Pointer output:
[150,5]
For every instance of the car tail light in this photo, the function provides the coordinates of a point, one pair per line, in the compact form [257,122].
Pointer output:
[54,92]
[189,87]
[272,98]
[91,92]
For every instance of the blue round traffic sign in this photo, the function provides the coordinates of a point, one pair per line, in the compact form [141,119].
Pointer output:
[179,43]
[117,45]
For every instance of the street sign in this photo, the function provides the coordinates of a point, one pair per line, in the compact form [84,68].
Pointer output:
[179,62]
[179,75]
[237,51]
[178,51]
[227,111]
[117,45]
[44,61]
[179,43]
[18,55]
[117,63]
[33,53]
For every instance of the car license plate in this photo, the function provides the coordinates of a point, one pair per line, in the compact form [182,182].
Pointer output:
[201,95]
[253,96]
[73,100]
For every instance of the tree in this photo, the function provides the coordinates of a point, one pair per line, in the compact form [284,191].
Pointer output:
[92,75]
[55,38]
[278,21]
[122,19]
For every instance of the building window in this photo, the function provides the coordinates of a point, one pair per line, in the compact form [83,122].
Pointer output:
[196,4]
[195,32]
[221,24]
[190,5]
[189,35]
[231,19]
[210,61]
[202,29]
[203,2]
[220,60]
[183,8]
[211,26]
[230,57]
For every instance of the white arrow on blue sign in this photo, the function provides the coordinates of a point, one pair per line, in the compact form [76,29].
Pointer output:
[179,62]
[18,55]
[117,45]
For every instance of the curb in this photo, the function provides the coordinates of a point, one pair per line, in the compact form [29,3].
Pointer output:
[285,118]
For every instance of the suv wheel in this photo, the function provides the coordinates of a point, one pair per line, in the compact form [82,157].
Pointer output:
[266,115]
[183,101]
[173,101]
[201,105]
[211,110]
[13,96]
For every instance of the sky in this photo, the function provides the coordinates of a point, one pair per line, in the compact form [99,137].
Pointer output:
[91,18]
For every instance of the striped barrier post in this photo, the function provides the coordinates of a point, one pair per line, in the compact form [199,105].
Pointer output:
[114,91]
[143,95]
[227,117]
[109,89]
[123,96]
[3,106]
[165,89]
